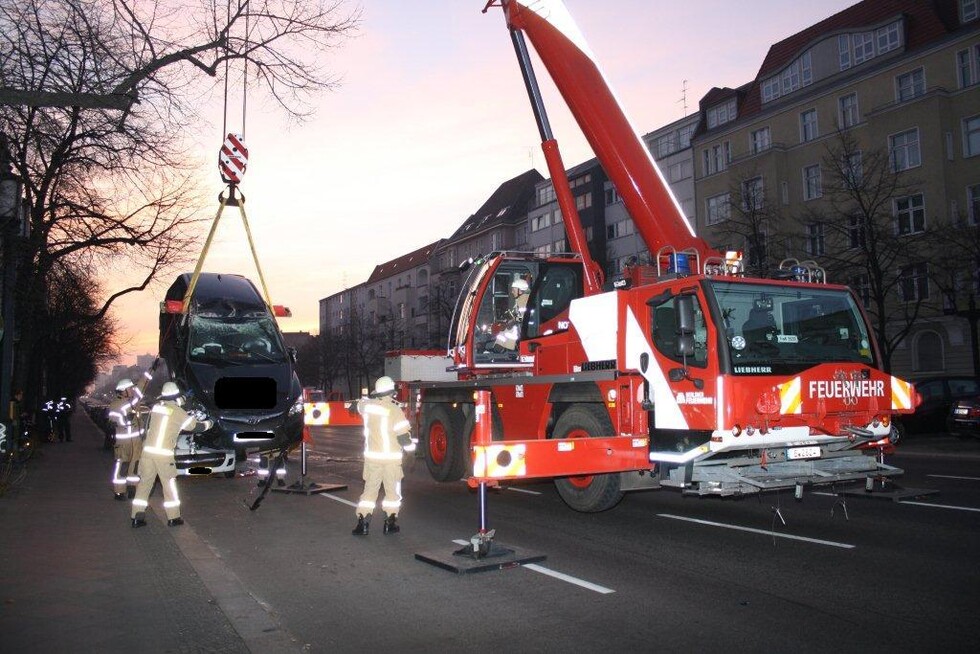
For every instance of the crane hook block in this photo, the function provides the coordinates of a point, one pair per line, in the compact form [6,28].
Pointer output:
[232,159]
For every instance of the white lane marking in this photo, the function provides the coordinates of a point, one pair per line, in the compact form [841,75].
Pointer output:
[588,585]
[942,506]
[523,490]
[955,477]
[759,531]
[339,499]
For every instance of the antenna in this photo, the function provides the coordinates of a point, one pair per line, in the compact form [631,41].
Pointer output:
[683,99]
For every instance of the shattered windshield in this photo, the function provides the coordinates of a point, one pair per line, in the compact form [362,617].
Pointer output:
[783,329]
[245,339]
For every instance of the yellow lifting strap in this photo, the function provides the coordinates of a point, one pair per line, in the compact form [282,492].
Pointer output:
[236,201]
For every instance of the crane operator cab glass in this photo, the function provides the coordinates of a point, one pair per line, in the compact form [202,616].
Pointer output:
[523,299]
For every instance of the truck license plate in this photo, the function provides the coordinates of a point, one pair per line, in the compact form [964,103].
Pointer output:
[961,411]
[803,453]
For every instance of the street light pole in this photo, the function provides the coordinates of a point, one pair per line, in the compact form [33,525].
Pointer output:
[11,206]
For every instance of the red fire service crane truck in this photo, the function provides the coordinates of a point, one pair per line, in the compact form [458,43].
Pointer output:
[688,374]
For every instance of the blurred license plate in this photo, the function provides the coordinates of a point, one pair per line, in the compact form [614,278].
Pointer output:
[803,453]
[961,411]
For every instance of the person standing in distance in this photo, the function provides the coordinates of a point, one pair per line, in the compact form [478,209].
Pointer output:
[386,433]
[167,420]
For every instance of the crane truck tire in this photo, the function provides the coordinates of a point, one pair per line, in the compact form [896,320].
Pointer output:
[442,443]
[587,493]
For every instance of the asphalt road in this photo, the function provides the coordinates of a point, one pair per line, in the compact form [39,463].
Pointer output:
[659,572]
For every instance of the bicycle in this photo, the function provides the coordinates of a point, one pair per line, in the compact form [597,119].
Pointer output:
[14,455]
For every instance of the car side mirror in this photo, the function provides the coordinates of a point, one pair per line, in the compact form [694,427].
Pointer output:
[292,353]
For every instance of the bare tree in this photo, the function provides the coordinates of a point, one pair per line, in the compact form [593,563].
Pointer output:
[753,224]
[880,255]
[956,272]
[111,189]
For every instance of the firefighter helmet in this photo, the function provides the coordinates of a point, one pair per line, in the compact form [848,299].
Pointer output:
[124,384]
[170,390]
[520,284]
[384,386]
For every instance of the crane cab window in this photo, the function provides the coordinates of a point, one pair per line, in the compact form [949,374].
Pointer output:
[666,335]
[558,285]
[501,313]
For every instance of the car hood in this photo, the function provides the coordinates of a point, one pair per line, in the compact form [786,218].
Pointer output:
[255,387]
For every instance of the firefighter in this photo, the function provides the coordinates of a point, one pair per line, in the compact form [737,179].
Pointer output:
[167,419]
[386,434]
[47,409]
[507,337]
[128,445]
[62,419]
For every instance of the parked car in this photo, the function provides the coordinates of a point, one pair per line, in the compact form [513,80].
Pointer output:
[964,418]
[938,394]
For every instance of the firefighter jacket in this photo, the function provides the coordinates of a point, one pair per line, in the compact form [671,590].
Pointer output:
[167,420]
[384,422]
[122,413]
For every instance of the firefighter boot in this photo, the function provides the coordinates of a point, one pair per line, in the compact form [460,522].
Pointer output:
[390,526]
[139,520]
[173,522]
[119,496]
[362,525]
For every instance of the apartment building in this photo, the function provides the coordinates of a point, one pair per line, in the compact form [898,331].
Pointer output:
[893,79]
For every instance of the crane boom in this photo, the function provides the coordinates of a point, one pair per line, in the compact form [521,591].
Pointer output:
[573,68]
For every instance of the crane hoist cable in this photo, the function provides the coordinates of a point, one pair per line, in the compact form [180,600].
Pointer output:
[232,162]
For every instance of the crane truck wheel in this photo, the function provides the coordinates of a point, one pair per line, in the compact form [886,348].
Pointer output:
[587,493]
[442,443]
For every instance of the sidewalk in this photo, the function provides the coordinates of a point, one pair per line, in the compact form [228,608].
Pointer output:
[75,576]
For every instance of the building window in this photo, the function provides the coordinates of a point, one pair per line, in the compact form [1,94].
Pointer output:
[971,136]
[864,47]
[546,194]
[721,114]
[583,201]
[811,182]
[913,283]
[814,239]
[968,66]
[808,125]
[910,85]
[684,136]
[619,229]
[753,198]
[717,209]
[929,352]
[855,233]
[759,140]
[969,10]
[844,50]
[973,203]
[716,158]
[770,89]
[910,215]
[612,197]
[541,221]
[852,169]
[665,146]
[904,150]
[680,170]
[861,287]
[848,110]
[887,38]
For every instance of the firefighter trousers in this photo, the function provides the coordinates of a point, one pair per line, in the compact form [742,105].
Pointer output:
[151,467]
[388,474]
[127,453]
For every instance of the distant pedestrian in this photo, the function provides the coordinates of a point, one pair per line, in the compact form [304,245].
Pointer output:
[167,420]
[128,444]
[386,434]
